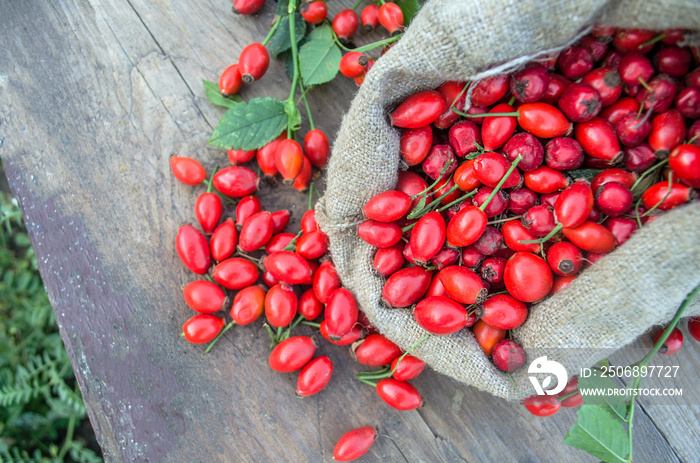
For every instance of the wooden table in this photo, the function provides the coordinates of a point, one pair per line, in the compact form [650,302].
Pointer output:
[94,98]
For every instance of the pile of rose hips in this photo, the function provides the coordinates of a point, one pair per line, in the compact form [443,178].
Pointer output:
[494,214]
[290,282]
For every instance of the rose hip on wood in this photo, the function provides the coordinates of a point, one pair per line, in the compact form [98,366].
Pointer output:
[354,444]
[375,351]
[248,305]
[204,296]
[292,354]
[399,394]
[202,328]
[193,249]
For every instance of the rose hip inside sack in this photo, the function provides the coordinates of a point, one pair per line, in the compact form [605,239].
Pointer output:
[639,285]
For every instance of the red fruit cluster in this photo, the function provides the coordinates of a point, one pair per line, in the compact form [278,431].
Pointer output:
[293,161]
[495,213]
[300,288]
[356,65]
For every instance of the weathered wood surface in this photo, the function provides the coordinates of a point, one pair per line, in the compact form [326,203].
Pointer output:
[94,98]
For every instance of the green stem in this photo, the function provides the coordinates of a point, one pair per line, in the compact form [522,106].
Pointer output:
[513,165]
[437,180]
[671,325]
[295,56]
[275,25]
[416,344]
[645,85]
[651,42]
[359,2]
[308,110]
[630,422]
[456,201]
[311,196]
[647,172]
[209,278]
[511,101]
[507,219]
[549,236]
[68,440]
[570,394]
[367,382]
[226,328]
[368,47]
[463,114]
[211,180]
[454,102]
[414,214]
[668,191]
[309,323]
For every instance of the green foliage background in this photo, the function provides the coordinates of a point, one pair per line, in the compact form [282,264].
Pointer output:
[42,416]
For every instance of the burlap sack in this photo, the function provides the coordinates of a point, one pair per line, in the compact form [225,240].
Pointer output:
[608,306]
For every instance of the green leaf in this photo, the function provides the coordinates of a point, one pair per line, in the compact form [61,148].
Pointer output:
[212,91]
[250,126]
[617,403]
[279,41]
[409,8]
[586,174]
[319,57]
[323,32]
[600,434]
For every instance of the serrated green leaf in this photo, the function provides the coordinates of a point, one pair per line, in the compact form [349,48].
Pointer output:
[250,126]
[319,57]
[600,434]
[214,96]
[409,8]
[617,403]
[586,174]
[323,32]
[279,41]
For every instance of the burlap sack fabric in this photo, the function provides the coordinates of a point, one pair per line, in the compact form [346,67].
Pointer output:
[608,306]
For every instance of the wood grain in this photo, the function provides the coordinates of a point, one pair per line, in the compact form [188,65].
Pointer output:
[94,98]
